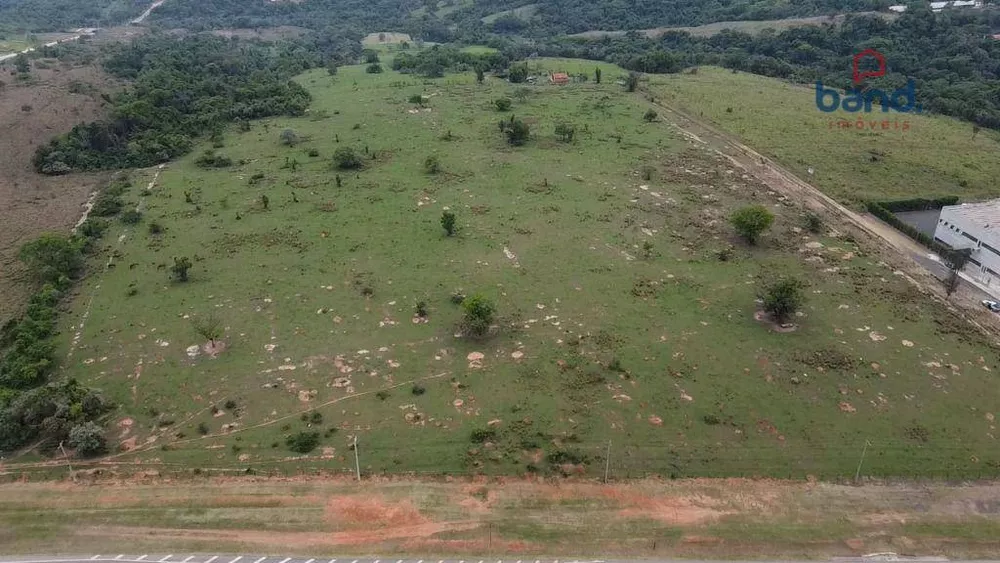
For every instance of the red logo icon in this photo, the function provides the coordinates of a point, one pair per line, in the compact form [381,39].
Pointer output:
[859,74]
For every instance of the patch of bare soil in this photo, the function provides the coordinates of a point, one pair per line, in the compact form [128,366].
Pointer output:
[31,114]
[264,33]
[372,512]
[765,318]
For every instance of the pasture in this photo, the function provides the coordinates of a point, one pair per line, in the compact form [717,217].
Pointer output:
[625,303]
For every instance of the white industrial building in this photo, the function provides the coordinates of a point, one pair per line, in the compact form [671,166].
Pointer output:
[975,226]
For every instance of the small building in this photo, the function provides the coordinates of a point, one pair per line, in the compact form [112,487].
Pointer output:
[974,226]
[938,6]
[559,78]
[898,8]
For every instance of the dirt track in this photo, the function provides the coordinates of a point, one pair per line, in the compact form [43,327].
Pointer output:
[894,247]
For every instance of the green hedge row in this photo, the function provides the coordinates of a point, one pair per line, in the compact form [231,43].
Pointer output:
[879,210]
[918,204]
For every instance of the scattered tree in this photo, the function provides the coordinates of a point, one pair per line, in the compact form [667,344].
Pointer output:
[432,165]
[813,223]
[647,249]
[565,132]
[345,158]
[265,202]
[597,75]
[751,221]
[181,267]
[370,57]
[374,68]
[502,104]
[289,138]
[331,68]
[155,228]
[21,64]
[303,442]
[51,257]
[417,99]
[952,282]
[782,298]
[480,75]
[517,73]
[632,81]
[650,116]
[448,222]
[479,313]
[421,309]
[517,132]
[88,439]
[131,217]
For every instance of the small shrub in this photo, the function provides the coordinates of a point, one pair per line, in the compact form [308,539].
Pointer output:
[316,418]
[131,217]
[502,104]
[313,153]
[517,132]
[647,249]
[418,389]
[202,428]
[813,223]
[751,221]
[725,254]
[230,405]
[615,365]
[374,68]
[565,132]
[448,222]
[345,158]
[482,435]
[432,165]
[132,291]
[88,439]
[457,298]
[289,138]
[417,99]
[421,309]
[650,116]
[180,268]
[479,313]
[303,442]
[155,228]
[711,419]
[382,395]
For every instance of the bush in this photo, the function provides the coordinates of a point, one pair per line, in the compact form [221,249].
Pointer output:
[813,223]
[202,428]
[632,81]
[448,222]
[482,435]
[502,104]
[155,228]
[417,99]
[517,132]
[382,395]
[432,165]
[421,309]
[418,389]
[479,313]
[316,418]
[303,442]
[345,158]
[180,268]
[313,153]
[711,419]
[374,68]
[289,138]
[517,73]
[650,116]
[52,257]
[132,217]
[93,228]
[751,221]
[565,132]
[87,439]
[782,298]
[209,159]
[230,405]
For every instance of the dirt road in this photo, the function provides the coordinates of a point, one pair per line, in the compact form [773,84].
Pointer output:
[905,254]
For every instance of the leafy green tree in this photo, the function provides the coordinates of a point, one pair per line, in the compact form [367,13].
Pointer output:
[432,165]
[751,221]
[650,116]
[374,68]
[208,327]
[345,158]
[782,298]
[181,267]
[517,132]
[88,439]
[303,442]
[479,314]
[370,57]
[480,75]
[448,222]
[597,75]
[289,138]
[502,104]
[417,99]
[517,73]
[52,257]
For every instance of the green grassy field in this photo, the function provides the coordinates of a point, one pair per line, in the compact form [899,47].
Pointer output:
[654,349]
[936,156]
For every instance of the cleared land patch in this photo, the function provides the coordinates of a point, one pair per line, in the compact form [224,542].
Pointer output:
[625,304]
[745,26]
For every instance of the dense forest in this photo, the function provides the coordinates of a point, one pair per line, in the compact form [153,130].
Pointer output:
[371,15]
[20,16]
[182,89]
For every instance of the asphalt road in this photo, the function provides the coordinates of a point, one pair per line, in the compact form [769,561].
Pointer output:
[233,558]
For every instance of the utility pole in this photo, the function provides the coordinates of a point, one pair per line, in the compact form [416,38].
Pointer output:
[357,462]
[607,462]
[68,462]
[857,474]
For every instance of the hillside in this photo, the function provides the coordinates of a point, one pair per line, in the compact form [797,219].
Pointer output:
[625,303]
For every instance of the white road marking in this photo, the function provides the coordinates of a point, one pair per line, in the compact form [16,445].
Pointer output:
[259,560]
[95,557]
[237,559]
[141,557]
[167,557]
[286,560]
[309,561]
[214,557]
[355,561]
[119,556]
[189,557]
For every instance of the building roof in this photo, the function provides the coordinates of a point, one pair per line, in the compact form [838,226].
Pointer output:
[984,215]
[897,8]
[560,76]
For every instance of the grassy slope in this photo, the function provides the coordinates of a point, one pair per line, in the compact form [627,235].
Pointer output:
[292,277]
[937,156]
